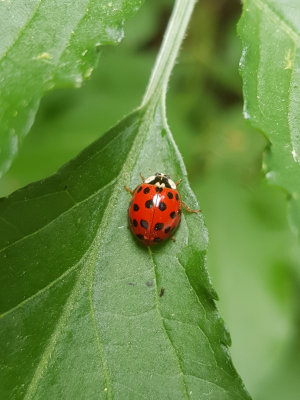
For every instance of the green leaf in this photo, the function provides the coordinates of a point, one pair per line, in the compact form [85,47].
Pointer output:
[46,44]
[270,66]
[81,311]
[80,297]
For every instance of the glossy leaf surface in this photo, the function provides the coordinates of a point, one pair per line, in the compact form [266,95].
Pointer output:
[80,301]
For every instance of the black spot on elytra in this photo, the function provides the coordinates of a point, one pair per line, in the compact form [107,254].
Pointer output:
[149,204]
[162,206]
[144,224]
[167,230]
[157,240]
[170,195]
[135,223]
[136,207]
[159,226]
[177,197]
[146,190]
[140,236]
[158,189]
[139,189]
[173,214]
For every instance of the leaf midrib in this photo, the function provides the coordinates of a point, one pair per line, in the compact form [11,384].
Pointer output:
[96,245]
[156,301]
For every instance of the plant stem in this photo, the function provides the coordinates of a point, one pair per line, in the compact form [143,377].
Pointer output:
[174,35]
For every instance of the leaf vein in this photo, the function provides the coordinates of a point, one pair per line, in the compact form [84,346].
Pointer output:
[22,30]
[42,365]
[95,329]
[289,30]
[77,204]
[44,289]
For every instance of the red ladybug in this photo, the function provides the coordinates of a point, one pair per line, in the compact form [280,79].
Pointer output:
[155,210]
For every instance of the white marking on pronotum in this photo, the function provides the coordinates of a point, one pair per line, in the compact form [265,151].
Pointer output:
[151,178]
[161,177]
[172,184]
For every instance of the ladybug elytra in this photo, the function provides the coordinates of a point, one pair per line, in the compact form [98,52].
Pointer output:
[155,210]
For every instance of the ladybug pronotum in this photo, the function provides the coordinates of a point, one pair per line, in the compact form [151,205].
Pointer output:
[155,210]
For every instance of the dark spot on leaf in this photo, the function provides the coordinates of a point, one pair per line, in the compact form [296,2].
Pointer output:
[162,291]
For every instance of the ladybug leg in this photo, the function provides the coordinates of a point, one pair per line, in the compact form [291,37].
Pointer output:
[173,238]
[142,177]
[178,182]
[188,209]
[128,190]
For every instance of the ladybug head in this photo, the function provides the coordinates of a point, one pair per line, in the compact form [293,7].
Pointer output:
[161,180]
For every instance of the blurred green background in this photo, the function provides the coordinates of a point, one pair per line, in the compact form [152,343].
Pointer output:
[253,258]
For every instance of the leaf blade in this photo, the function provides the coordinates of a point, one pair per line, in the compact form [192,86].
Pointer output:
[271,98]
[49,45]
[114,294]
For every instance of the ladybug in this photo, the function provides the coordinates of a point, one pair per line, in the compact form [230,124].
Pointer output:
[155,210]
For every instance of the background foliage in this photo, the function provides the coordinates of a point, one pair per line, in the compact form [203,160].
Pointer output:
[253,256]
